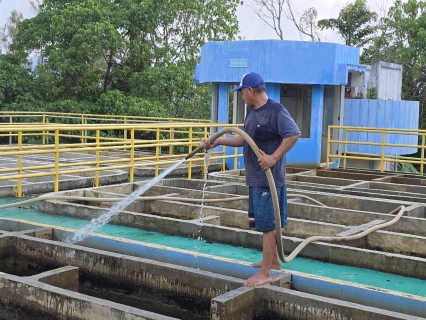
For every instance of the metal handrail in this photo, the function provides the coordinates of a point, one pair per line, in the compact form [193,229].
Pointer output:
[89,116]
[340,136]
[167,144]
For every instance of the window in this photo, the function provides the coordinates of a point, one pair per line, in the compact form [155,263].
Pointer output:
[297,99]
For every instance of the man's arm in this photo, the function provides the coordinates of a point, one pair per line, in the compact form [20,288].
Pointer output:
[236,141]
[267,161]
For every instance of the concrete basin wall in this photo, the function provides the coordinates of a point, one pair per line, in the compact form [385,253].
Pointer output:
[346,253]
[52,290]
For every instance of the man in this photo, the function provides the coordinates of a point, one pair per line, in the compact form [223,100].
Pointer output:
[273,130]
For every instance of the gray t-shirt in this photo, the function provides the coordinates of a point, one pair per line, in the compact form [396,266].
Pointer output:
[267,126]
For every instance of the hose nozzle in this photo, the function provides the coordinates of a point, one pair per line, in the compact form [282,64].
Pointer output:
[197,149]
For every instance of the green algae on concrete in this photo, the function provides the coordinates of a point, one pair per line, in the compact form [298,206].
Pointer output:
[361,276]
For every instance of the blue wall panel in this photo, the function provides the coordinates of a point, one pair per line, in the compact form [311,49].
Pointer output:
[222,116]
[382,114]
[274,91]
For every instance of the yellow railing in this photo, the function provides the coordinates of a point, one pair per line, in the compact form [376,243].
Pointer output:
[84,118]
[339,138]
[143,144]
[45,118]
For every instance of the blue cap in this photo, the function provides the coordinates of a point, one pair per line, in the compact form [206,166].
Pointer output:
[250,80]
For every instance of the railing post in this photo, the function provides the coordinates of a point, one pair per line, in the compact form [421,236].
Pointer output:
[97,157]
[235,158]
[345,149]
[43,139]
[382,157]
[172,136]
[19,193]
[157,150]
[189,150]
[422,155]
[82,131]
[125,131]
[327,161]
[56,187]
[132,155]
[10,133]
[47,137]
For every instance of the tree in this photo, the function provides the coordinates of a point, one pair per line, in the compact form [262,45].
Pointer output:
[144,49]
[16,83]
[272,12]
[9,31]
[353,24]
[35,5]
[308,24]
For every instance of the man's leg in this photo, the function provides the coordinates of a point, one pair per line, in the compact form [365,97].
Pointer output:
[269,251]
[276,265]
[282,197]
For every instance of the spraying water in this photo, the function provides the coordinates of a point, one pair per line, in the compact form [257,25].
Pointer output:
[201,215]
[119,206]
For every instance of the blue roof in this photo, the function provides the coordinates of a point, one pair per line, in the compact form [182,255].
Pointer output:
[278,61]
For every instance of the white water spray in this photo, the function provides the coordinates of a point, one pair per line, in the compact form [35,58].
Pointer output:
[201,215]
[96,223]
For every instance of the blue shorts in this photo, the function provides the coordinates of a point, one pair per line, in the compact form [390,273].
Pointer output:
[261,209]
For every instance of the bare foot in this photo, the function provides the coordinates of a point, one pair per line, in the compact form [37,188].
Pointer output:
[275,265]
[257,280]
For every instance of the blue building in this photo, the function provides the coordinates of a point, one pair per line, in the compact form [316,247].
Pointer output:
[309,78]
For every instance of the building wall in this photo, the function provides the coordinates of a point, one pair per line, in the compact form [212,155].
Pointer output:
[385,77]
[381,114]
[278,61]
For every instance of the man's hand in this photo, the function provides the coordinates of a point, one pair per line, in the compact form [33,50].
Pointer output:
[208,145]
[266,161]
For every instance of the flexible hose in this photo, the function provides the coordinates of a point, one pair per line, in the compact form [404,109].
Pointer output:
[94,199]
[272,187]
[305,242]
[271,183]
[288,259]
[275,203]
[291,195]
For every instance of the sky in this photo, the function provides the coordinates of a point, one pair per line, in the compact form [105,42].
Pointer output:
[251,26]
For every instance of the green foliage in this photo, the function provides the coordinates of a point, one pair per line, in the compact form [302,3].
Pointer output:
[353,23]
[70,106]
[116,102]
[407,168]
[372,93]
[123,57]
[15,81]
[174,87]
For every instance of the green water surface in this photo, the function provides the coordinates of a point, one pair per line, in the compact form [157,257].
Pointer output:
[333,271]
